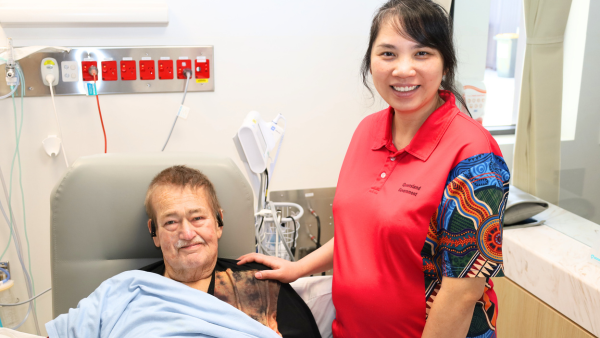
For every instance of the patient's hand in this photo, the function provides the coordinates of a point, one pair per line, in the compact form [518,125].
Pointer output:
[283,270]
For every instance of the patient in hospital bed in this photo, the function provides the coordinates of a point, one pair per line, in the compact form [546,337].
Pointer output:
[191,292]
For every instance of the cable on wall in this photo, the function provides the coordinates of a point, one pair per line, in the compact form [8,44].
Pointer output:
[14,232]
[188,73]
[26,301]
[94,73]
[17,241]
[60,135]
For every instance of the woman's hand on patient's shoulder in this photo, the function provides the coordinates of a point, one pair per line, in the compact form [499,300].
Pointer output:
[283,270]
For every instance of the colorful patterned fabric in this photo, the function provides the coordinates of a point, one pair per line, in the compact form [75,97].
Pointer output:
[465,234]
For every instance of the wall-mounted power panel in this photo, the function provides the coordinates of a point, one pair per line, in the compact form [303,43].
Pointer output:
[118,70]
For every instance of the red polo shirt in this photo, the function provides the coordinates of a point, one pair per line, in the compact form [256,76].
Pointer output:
[406,218]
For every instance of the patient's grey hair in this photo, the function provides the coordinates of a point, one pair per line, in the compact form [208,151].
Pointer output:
[182,176]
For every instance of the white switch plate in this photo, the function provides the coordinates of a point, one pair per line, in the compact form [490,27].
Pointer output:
[69,71]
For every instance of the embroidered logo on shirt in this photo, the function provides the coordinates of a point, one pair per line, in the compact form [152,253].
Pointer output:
[409,186]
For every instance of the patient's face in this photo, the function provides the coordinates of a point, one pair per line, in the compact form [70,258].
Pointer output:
[187,232]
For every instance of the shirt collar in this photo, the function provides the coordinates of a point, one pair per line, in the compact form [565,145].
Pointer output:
[427,137]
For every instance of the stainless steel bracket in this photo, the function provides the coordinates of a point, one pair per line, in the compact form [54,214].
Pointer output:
[31,66]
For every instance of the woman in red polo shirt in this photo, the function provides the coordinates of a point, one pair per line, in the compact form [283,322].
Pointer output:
[420,198]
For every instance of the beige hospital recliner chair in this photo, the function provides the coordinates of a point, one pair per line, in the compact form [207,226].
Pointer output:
[99,225]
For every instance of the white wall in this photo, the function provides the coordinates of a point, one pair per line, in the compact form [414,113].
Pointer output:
[471,24]
[300,58]
[574,49]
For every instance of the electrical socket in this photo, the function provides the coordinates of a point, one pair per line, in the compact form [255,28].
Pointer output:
[5,266]
[165,69]
[109,70]
[128,70]
[147,70]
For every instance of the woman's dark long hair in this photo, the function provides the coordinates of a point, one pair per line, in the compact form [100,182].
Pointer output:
[425,22]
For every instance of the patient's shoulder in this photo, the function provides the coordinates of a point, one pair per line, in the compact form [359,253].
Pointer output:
[226,263]
[222,265]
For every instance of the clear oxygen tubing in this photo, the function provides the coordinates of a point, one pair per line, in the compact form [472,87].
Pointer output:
[11,92]
[18,157]
[189,75]
[19,252]
[60,135]
[278,229]
[21,76]
[17,241]
[7,275]
[26,301]
[18,139]
[14,231]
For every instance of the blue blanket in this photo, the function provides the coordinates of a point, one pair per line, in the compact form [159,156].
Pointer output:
[144,304]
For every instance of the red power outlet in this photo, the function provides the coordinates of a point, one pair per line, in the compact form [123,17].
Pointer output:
[181,65]
[109,71]
[147,70]
[202,69]
[128,70]
[165,69]
[85,70]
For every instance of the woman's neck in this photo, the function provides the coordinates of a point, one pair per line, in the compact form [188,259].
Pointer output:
[406,125]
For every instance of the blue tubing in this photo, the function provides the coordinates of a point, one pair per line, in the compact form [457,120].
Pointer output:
[7,275]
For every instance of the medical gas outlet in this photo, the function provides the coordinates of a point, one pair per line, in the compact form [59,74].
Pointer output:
[85,70]
[183,63]
[11,71]
[202,68]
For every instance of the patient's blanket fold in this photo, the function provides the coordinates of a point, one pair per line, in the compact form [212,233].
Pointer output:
[144,304]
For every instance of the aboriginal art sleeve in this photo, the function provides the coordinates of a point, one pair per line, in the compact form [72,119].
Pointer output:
[465,233]
[468,221]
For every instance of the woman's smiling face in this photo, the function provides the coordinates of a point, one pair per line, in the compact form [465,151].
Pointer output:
[406,74]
